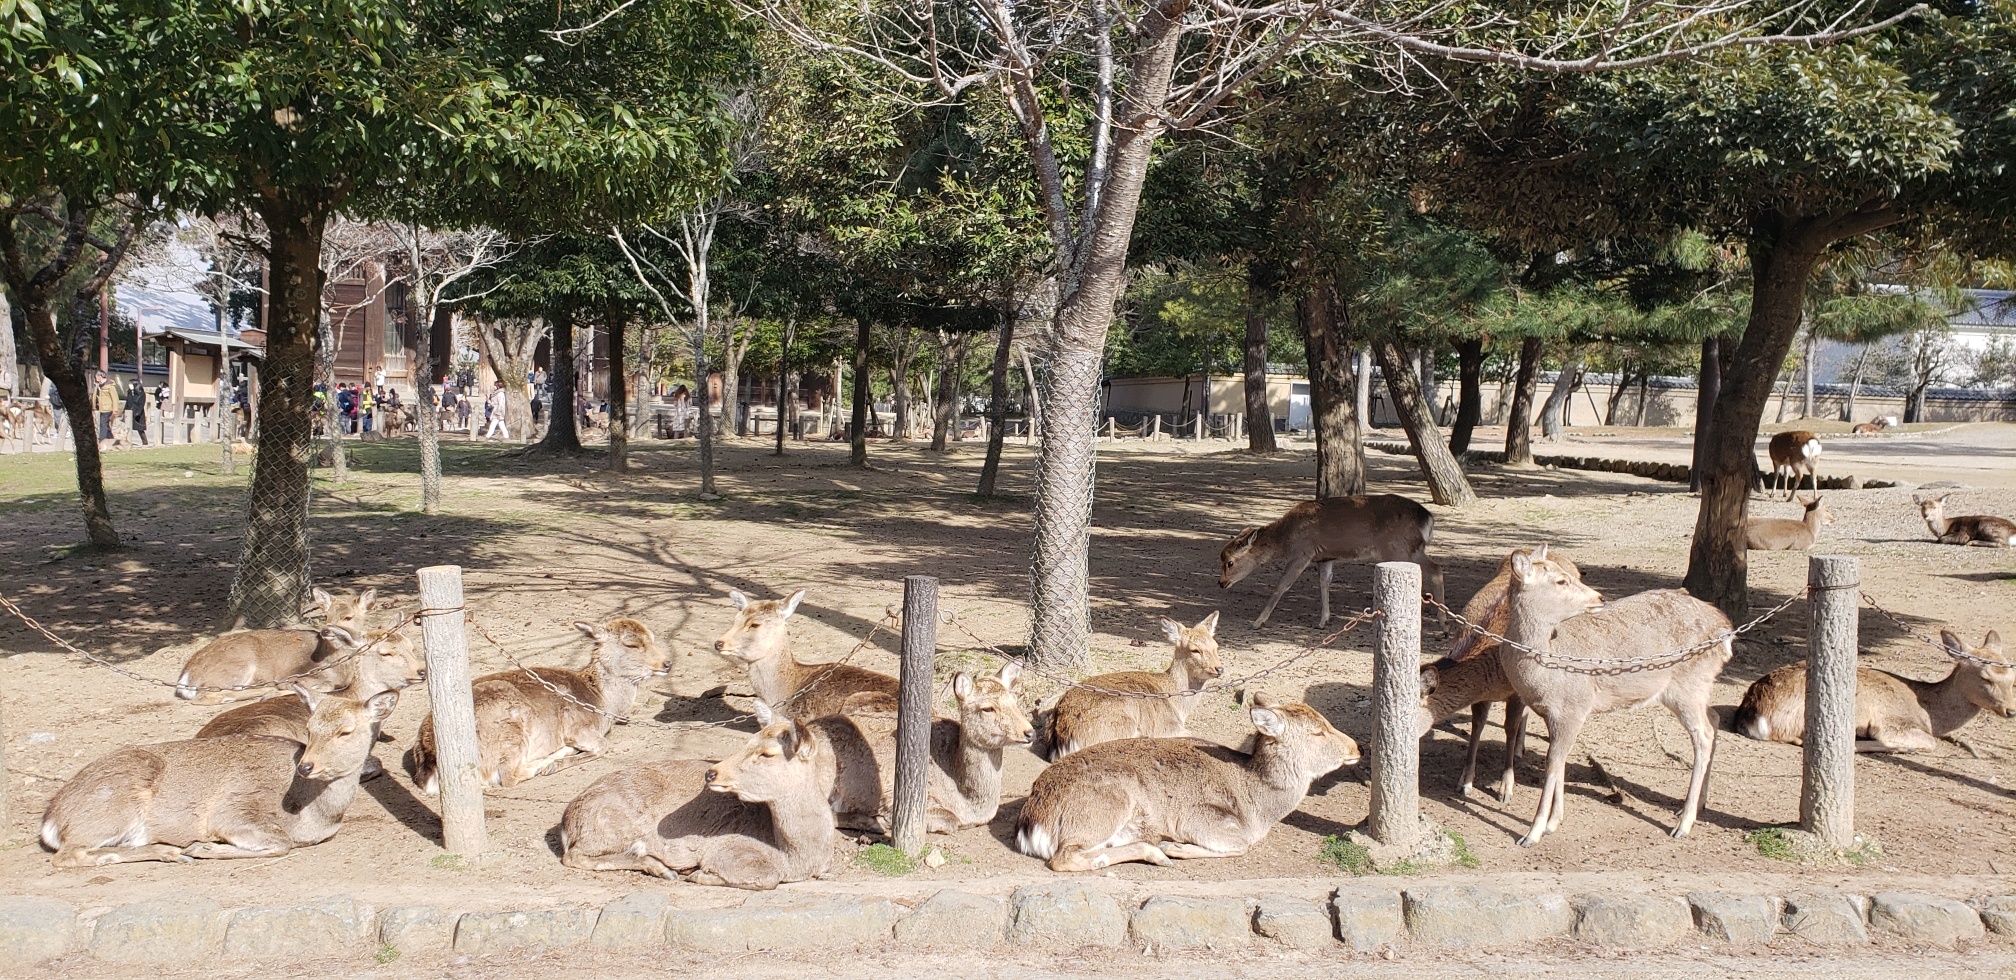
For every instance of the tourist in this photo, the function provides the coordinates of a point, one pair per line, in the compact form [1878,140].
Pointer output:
[494,410]
[136,410]
[106,401]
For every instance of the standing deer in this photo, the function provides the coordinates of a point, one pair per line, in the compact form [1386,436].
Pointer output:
[250,657]
[1554,614]
[1794,455]
[1993,532]
[524,728]
[753,820]
[1892,713]
[760,638]
[1083,717]
[389,665]
[239,796]
[1779,534]
[1384,527]
[1157,799]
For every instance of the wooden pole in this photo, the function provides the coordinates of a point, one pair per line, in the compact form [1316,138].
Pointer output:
[1827,796]
[447,649]
[1396,701]
[1200,426]
[913,712]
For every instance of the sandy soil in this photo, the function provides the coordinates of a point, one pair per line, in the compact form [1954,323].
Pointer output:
[544,544]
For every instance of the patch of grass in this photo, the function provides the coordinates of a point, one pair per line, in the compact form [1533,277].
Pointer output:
[447,862]
[885,860]
[386,953]
[1465,858]
[1346,855]
[1772,842]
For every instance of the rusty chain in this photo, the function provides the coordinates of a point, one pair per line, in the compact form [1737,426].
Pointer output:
[94,659]
[1960,655]
[1609,666]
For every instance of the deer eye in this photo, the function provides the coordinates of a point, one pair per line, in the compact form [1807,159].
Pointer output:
[988,710]
[346,731]
[770,753]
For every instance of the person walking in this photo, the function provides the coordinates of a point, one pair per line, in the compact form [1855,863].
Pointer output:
[60,417]
[136,411]
[461,411]
[498,404]
[682,412]
[105,401]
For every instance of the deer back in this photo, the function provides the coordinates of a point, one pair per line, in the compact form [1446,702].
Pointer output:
[1649,622]
[264,656]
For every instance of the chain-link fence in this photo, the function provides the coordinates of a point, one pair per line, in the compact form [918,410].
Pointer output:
[272,580]
[1060,619]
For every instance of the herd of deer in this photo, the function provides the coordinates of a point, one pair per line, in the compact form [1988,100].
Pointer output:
[26,423]
[1126,782]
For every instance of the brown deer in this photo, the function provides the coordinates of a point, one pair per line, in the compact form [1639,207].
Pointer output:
[1873,426]
[1794,455]
[250,657]
[390,664]
[1084,717]
[1158,799]
[1992,532]
[1383,527]
[1779,534]
[1552,613]
[1471,677]
[760,638]
[1892,713]
[239,796]
[525,728]
[754,820]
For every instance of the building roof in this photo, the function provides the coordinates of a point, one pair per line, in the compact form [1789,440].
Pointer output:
[211,337]
[1989,308]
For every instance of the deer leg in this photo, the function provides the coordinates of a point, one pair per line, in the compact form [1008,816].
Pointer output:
[1184,850]
[251,842]
[1295,567]
[95,857]
[1480,714]
[1329,570]
[1701,731]
[1075,857]
[1561,731]
[1515,743]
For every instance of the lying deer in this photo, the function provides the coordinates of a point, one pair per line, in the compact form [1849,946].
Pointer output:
[760,638]
[1083,717]
[1378,528]
[1794,456]
[250,657]
[1872,426]
[1993,532]
[390,664]
[754,820]
[1549,611]
[1892,713]
[964,789]
[1471,676]
[239,796]
[1157,799]
[1779,534]
[526,729]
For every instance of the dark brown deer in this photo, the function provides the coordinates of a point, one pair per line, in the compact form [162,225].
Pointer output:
[1383,527]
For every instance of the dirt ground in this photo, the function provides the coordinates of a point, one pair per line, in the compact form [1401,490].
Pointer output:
[547,543]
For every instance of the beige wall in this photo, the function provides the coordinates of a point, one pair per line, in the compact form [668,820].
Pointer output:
[1227,395]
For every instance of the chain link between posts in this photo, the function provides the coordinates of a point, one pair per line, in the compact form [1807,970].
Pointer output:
[1611,666]
[1959,655]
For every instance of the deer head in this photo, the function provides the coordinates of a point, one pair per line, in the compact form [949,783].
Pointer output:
[990,715]
[1991,689]
[760,629]
[775,764]
[1547,591]
[1240,557]
[627,646]
[341,732]
[1197,646]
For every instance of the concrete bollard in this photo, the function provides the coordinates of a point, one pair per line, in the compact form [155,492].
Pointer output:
[1396,699]
[1827,794]
[458,763]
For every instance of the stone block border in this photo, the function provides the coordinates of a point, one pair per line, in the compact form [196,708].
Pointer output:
[1357,915]
[1670,472]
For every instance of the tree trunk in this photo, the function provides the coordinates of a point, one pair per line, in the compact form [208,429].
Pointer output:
[1446,483]
[1519,423]
[1429,391]
[1706,392]
[783,383]
[946,413]
[339,457]
[858,454]
[619,395]
[1551,414]
[1644,392]
[1782,255]
[66,372]
[1340,447]
[997,407]
[1470,404]
[423,405]
[731,379]
[563,434]
[697,339]
[1259,408]
[272,578]
[1812,348]
[904,347]
[1361,382]
[1855,383]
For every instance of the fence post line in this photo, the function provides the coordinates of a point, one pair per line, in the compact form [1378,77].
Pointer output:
[1827,791]
[456,759]
[1396,703]
[916,686]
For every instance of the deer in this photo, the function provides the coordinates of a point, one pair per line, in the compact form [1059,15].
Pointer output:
[1991,532]
[1794,455]
[754,820]
[760,639]
[379,661]
[249,658]
[238,796]
[1555,615]
[1163,799]
[1892,713]
[1085,717]
[1779,534]
[1382,527]
[1873,426]
[1471,677]
[525,729]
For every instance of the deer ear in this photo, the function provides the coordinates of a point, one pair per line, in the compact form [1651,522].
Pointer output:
[1009,675]
[322,598]
[1430,679]
[308,697]
[763,713]
[791,604]
[801,738]
[1173,630]
[962,686]
[1953,644]
[364,599]
[1269,722]
[1209,624]
[1992,641]
[741,601]
[589,630]
[1522,566]
[381,704]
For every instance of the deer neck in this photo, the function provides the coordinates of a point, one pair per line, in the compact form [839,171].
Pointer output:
[1813,523]
[1937,524]
[975,770]
[1945,703]
[314,809]
[1526,626]
[778,676]
[1274,783]
[802,823]
[615,692]
[1183,678]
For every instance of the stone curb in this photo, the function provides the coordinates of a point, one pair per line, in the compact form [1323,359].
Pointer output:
[1358,915]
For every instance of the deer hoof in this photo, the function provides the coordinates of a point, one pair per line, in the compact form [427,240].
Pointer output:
[1677,833]
[1529,840]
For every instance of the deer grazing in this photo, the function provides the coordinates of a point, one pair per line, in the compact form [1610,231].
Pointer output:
[1158,799]
[240,796]
[1992,532]
[1552,613]
[1084,717]
[250,657]
[524,728]
[1779,534]
[1892,713]
[1794,455]
[1471,676]
[760,638]
[754,820]
[390,665]
[1383,527]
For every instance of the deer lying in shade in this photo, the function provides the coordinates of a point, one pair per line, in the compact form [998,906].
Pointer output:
[1161,799]
[526,728]
[257,657]
[1892,713]
[1779,534]
[238,796]
[1086,717]
[760,638]
[1384,527]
